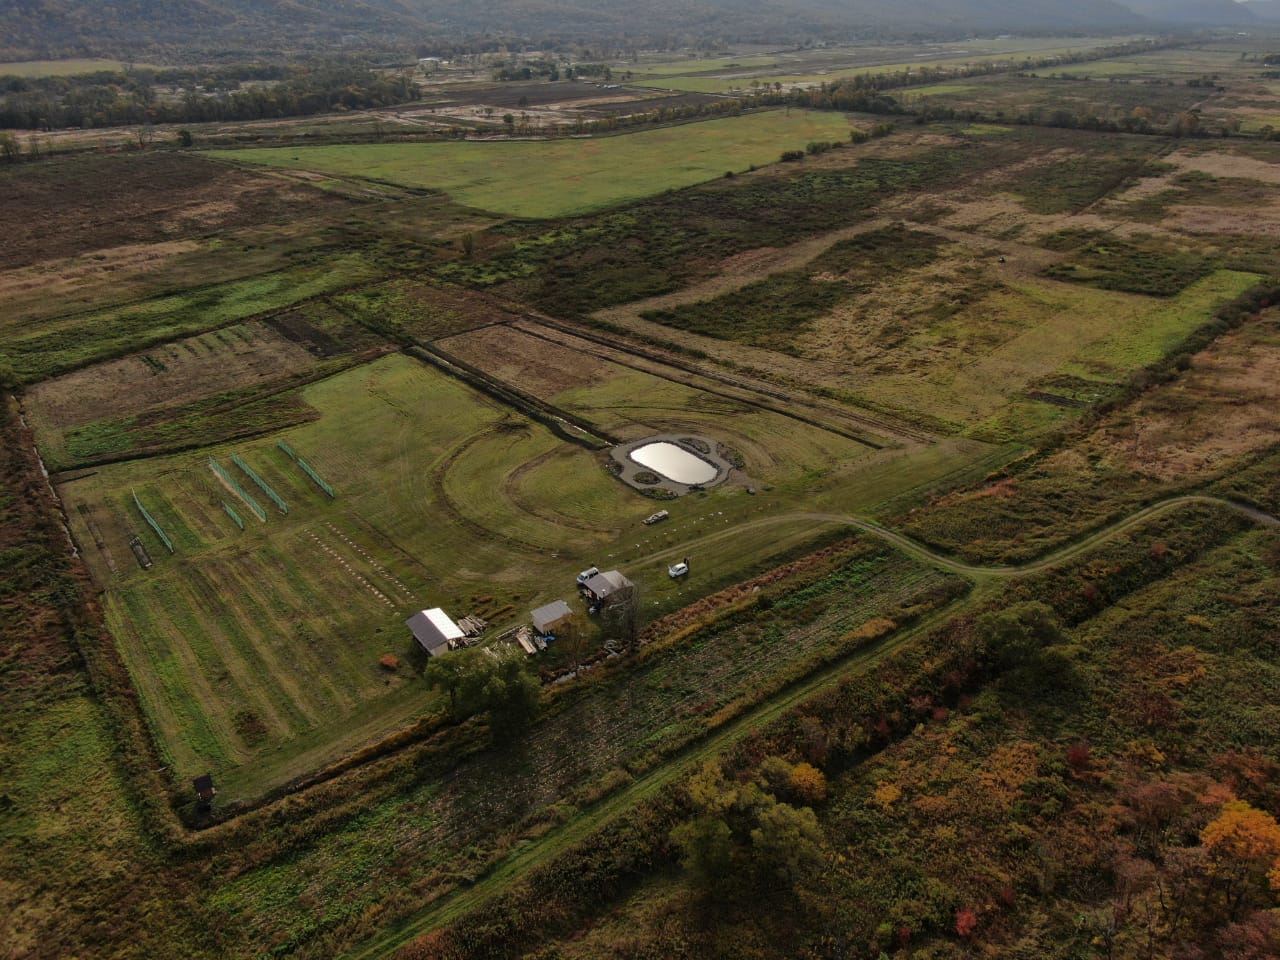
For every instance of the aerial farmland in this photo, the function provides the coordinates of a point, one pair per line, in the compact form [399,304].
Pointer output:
[942,405]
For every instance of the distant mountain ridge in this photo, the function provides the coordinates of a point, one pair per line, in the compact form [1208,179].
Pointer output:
[1196,13]
[114,27]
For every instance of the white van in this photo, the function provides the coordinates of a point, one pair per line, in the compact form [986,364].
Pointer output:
[587,574]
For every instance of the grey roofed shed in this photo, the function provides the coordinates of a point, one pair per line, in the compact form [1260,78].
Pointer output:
[608,586]
[545,619]
[433,630]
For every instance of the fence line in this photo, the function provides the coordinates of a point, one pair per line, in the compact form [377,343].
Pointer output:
[240,492]
[152,521]
[262,484]
[233,515]
[306,468]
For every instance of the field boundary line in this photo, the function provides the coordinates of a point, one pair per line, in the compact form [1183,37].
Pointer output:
[764,394]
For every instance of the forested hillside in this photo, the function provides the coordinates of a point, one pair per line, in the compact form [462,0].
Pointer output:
[48,28]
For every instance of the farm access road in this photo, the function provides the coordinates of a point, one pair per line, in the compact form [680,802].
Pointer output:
[462,900]
[976,571]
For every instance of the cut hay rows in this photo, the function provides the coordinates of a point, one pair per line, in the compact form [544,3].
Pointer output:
[334,555]
[152,522]
[262,484]
[238,490]
[382,571]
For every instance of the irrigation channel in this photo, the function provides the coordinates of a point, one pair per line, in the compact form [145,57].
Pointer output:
[464,899]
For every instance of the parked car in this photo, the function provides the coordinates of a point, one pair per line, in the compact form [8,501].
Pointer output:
[678,569]
[656,517]
[587,574]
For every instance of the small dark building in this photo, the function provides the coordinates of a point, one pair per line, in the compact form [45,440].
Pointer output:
[205,790]
[607,588]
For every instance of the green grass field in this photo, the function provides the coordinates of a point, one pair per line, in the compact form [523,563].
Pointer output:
[558,178]
[65,68]
[742,79]
[256,652]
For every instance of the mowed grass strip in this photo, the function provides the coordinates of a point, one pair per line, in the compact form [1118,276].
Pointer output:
[563,177]
[170,688]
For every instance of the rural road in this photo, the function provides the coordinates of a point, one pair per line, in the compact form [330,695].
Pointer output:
[461,900]
[922,552]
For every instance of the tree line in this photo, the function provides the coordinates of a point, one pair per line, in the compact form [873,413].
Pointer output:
[249,92]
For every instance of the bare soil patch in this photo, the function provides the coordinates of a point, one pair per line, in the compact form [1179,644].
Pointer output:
[1001,216]
[529,363]
[1250,221]
[68,206]
[1225,163]
[60,278]
[178,372]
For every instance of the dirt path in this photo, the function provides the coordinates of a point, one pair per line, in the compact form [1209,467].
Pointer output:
[849,422]
[743,269]
[462,900]
[921,552]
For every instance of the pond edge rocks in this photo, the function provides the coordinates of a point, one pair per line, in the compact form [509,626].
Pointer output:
[633,474]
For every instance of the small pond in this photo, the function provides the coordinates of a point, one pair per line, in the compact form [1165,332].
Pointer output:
[674,463]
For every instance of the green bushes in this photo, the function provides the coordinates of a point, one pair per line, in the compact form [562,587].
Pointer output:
[1139,264]
[770,312]
[657,245]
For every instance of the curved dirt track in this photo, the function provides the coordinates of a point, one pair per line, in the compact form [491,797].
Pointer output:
[460,900]
[922,552]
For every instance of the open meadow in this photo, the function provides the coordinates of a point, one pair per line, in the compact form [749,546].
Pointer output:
[990,400]
[558,178]
[812,67]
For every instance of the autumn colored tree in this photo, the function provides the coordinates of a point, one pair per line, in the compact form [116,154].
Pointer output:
[808,784]
[742,833]
[1243,855]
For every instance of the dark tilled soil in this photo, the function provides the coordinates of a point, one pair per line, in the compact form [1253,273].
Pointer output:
[65,206]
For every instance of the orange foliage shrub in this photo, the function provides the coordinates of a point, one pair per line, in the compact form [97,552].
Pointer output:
[1242,834]
[873,629]
[808,784]
[886,795]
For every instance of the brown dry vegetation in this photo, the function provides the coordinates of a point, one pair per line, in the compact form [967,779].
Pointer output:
[179,372]
[1218,192]
[536,366]
[1221,410]
[412,308]
[72,205]
[62,278]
